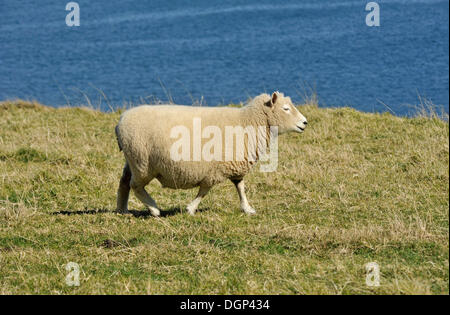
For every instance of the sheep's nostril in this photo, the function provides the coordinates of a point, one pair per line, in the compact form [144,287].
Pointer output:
[305,122]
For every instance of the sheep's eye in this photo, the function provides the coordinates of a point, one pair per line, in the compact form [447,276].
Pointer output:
[286,108]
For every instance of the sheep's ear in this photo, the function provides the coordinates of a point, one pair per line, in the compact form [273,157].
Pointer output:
[274,97]
[272,100]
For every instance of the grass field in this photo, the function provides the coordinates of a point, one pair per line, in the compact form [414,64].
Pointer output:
[354,188]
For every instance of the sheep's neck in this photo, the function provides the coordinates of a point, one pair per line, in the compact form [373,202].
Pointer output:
[255,117]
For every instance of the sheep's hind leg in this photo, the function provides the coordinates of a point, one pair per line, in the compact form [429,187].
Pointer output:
[124,190]
[245,206]
[145,198]
[192,207]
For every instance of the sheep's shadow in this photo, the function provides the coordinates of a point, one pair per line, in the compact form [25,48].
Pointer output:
[136,213]
[80,212]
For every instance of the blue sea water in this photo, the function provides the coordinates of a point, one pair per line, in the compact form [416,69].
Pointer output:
[219,52]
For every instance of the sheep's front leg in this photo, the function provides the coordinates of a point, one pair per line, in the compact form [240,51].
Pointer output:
[192,207]
[245,206]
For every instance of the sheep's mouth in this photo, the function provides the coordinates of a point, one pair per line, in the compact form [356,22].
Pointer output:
[300,128]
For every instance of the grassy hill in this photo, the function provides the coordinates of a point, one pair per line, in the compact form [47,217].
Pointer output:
[354,188]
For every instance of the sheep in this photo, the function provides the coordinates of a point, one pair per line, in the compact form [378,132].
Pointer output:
[145,135]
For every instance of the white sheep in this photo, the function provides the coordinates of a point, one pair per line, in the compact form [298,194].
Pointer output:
[145,134]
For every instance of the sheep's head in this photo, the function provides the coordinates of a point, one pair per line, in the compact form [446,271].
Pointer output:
[282,113]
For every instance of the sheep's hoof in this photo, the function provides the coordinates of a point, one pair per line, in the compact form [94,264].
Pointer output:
[191,211]
[155,212]
[249,211]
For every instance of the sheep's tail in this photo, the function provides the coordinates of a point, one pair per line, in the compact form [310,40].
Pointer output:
[118,138]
